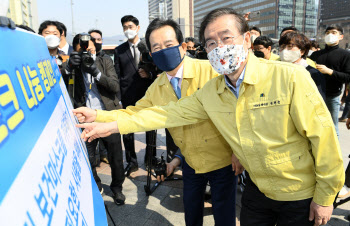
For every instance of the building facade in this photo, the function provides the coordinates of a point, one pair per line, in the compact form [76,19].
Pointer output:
[24,12]
[179,10]
[273,15]
[335,12]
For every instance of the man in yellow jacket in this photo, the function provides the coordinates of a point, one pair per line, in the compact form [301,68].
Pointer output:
[272,116]
[207,156]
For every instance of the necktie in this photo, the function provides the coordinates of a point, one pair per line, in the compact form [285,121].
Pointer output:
[175,83]
[136,56]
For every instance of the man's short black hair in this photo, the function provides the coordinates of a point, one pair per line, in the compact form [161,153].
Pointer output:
[255,29]
[190,39]
[263,40]
[63,27]
[47,23]
[25,27]
[129,18]
[290,28]
[242,24]
[159,23]
[336,27]
[96,31]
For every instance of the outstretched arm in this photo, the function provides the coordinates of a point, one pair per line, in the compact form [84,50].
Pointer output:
[186,111]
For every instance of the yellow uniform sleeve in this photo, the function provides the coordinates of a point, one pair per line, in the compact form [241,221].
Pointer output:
[110,116]
[188,110]
[313,120]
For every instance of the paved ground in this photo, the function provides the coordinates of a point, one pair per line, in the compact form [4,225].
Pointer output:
[164,206]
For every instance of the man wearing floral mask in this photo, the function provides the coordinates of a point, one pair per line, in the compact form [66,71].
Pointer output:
[133,85]
[334,63]
[207,157]
[272,116]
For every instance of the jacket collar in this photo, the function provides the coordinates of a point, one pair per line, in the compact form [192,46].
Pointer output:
[329,48]
[188,71]
[251,74]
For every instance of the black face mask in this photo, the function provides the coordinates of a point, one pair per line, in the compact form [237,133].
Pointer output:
[259,54]
[192,52]
[98,47]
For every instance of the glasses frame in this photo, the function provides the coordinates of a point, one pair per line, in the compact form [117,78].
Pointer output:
[219,41]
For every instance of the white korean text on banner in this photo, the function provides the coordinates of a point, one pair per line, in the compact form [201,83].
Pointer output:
[45,178]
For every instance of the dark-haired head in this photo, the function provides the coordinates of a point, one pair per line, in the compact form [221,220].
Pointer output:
[44,26]
[157,24]
[96,31]
[335,27]
[264,45]
[129,18]
[189,39]
[298,39]
[288,29]
[263,40]
[64,28]
[255,31]
[241,23]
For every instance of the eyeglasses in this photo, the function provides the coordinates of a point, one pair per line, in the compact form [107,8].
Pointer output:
[289,46]
[226,40]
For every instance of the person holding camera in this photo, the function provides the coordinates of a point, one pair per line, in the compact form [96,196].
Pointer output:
[96,86]
[134,82]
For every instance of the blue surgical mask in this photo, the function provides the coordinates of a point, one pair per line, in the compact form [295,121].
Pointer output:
[167,59]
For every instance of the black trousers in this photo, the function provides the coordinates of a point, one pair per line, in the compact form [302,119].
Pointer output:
[115,158]
[223,184]
[257,209]
[129,144]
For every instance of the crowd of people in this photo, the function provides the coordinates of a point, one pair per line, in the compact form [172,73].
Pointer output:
[230,105]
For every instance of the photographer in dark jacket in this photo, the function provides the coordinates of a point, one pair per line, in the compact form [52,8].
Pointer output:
[96,86]
[334,63]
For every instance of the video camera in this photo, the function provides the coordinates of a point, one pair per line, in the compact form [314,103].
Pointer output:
[86,57]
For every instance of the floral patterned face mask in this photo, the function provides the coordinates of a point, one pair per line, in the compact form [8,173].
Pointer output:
[228,58]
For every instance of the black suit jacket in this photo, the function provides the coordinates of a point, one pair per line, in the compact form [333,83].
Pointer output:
[132,86]
[108,85]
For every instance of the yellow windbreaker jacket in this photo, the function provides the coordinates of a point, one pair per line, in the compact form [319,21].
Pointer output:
[201,144]
[279,128]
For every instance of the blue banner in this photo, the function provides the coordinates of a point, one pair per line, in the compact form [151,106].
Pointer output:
[45,175]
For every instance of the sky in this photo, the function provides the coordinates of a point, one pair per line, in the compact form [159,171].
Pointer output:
[104,15]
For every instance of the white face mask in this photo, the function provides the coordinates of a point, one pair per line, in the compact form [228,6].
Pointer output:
[331,39]
[290,55]
[228,58]
[52,41]
[130,34]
